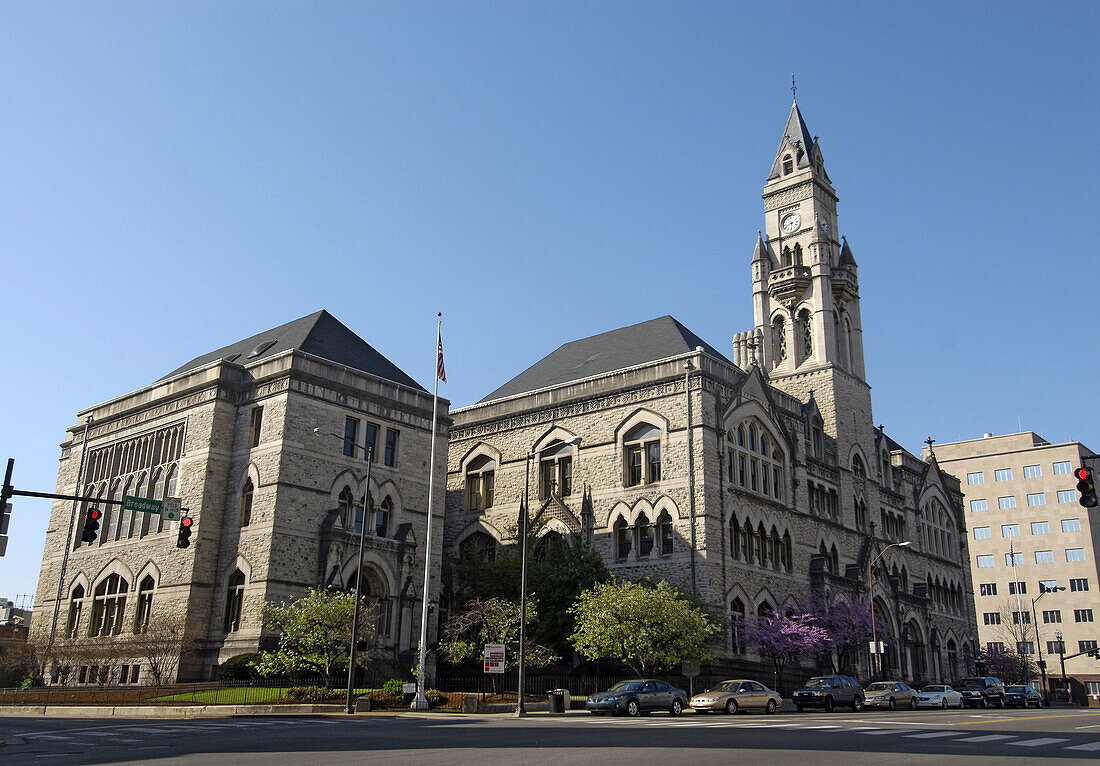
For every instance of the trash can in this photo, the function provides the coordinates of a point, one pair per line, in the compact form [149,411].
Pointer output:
[557,701]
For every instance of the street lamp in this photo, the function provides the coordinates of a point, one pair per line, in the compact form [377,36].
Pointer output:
[1038,641]
[525,523]
[358,567]
[876,655]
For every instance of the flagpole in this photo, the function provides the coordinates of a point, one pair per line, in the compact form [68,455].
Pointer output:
[420,702]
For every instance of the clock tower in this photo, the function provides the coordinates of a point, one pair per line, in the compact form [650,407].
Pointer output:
[805,292]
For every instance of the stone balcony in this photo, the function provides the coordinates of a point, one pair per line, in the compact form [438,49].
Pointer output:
[788,284]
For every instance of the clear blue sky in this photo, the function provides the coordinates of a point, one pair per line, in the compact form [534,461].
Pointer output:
[177,176]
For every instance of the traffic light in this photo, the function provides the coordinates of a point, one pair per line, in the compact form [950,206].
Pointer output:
[91,525]
[184,537]
[1086,485]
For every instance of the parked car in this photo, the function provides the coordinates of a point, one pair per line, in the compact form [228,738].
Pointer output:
[638,696]
[890,694]
[939,695]
[829,692]
[1024,696]
[734,696]
[982,691]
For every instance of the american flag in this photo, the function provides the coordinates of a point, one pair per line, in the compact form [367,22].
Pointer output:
[440,372]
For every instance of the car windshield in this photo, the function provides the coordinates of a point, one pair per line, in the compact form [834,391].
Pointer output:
[934,689]
[881,686]
[973,682]
[1016,689]
[819,683]
[627,686]
[726,686]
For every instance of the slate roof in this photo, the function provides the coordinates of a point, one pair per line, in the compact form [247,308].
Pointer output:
[797,133]
[319,334]
[615,350]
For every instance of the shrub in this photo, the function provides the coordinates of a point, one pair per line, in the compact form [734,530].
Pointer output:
[240,667]
[393,687]
[435,697]
[314,694]
[32,681]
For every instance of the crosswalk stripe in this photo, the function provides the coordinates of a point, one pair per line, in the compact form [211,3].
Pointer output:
[880,732]
[1088,746]
[932,735]
[987,738]
[1038,742]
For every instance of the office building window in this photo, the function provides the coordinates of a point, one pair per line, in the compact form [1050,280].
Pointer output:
[995,647]
[1032,472]
[1087,646]
[1017,587]
[1004,503]
[1047,586]
[1002,474]
[1044,557]
[1067,496]
[391,447]
[351,431]
[1056,647]
[1062,467]
[1010,530]
[1052,615]
[984,562]
[975,478]
[1078,585]
[977,506]
[992,618]
[1082,615]
[1040,527]
[988,588]
[1071,525]
[1021,617]
[1025,647]
[1075,554]
[981,533]
[1036,498]
[1014,559]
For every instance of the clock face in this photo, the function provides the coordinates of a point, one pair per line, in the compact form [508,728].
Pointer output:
[790,222]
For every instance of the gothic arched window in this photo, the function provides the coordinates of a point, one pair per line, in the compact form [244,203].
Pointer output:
[779,339]
[234,600]
[642,455]
[344,505]
[737,625]
[382,517]
[108,606]
[480,483]
[797,253]
[144,604]
[645,535]
[664,533]
[246,503]
[755,462]
[478,547]
[788,164]
[622,539]
[858,468]
[806,328]
[76,606]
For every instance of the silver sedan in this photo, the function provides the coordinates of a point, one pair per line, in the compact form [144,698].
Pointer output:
[939,696]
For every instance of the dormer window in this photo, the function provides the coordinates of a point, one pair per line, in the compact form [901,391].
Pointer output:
[788,164]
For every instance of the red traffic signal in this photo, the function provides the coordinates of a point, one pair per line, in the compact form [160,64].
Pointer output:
[91,525]
[183,539]
[1086,485]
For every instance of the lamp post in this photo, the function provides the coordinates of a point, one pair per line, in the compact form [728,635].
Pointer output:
[524,524]
[350,703]
[1038,642]
[1062,657]
[875,654]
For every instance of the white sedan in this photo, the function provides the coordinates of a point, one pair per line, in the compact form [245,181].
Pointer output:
[939,696]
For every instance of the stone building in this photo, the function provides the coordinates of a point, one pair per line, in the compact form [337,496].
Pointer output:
[746,481]
[264,442]
[1034,551]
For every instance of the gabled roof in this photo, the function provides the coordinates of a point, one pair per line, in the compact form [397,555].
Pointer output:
[319,334]
[615,350]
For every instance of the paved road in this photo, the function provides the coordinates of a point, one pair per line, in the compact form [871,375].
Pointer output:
[923,737]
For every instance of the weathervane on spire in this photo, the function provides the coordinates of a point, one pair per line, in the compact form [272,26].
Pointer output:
[794,89]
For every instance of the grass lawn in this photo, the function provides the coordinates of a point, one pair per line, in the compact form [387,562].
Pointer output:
[241,695]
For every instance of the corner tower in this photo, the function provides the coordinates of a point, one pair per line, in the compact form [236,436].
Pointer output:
[806,315]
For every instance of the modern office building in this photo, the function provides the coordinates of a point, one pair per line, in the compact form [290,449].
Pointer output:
[1033,548]
[746,481]
[264,442]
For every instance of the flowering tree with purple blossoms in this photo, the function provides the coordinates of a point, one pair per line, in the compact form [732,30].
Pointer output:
[784,640]
[848,624]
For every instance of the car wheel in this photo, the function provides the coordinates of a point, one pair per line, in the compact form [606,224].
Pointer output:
[828,704]
[770,707]
[912,703]
[677,707]
[893,705]
[1000,702]
[943,703]
[982,703]
[857,704]
[731,707]
[633,708]
[1039,704]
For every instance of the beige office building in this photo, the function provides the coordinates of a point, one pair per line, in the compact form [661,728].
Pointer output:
[1028,535]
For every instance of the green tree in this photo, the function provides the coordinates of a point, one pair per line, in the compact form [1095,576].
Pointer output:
[648,628]
[314,634]
[491,621]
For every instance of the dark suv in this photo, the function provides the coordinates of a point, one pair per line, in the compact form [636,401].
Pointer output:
[982,691]
[829,692]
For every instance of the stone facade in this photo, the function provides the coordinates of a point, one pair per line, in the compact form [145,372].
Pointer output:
[255,453]
[747,483]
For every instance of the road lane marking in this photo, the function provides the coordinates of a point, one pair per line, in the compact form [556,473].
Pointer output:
[1038,742]
[932,735]
[1086,746]
[986,738]
[880,732]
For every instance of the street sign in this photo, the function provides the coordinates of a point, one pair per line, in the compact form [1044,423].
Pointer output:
[494,658]
[690,669]
[881,647]
[141,504]
[171,508]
